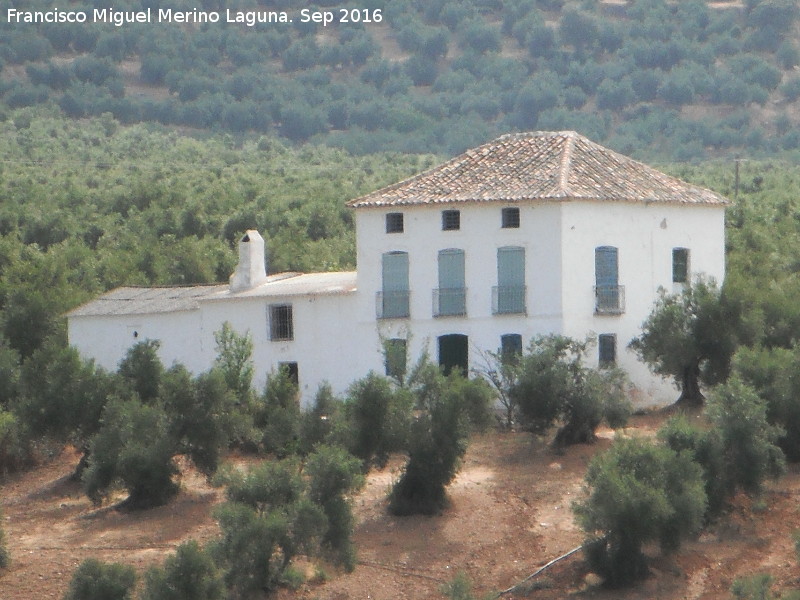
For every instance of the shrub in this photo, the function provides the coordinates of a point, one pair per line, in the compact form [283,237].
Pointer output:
[706,450]
[378,417]
[639,492]
[748,440]
[278,415]
[551,385]
[333,474]
[132,448]
[95,580]
[317,424]
[142,369]
[201,414]
[757,587]
[15,450]
[437,442]
[265,524]
[5,558]
[189,574]
[235,360]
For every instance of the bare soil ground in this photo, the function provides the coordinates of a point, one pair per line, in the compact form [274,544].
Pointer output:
[509,514]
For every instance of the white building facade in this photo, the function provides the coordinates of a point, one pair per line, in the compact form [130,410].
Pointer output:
[527,235]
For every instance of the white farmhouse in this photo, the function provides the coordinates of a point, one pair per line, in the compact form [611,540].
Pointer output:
[526,235]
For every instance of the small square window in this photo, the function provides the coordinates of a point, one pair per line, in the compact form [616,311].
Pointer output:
[394,223]
[451,220]
[281,325]
[607,346]
[680,265]
[510,218]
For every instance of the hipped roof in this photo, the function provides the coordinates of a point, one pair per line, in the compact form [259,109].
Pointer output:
[539,166]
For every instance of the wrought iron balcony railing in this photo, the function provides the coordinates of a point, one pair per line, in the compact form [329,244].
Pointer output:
[449,302]
[392,304]
[508,299]
[609,299]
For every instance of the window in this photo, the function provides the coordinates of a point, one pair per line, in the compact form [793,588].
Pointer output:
[454,353]
[394,223]
[281,326]
[607,346]
[609,295]
[450,298]
[510,344]
[508,296]
[451,220]
[290,368]
[510,218]
[395,358]
[680,265]
[393,300]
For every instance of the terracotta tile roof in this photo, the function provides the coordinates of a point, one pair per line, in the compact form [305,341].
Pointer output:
[539,166]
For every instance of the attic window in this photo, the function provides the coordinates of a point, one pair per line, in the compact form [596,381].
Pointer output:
[281,325]
[510,218]
[394,223]
[451,220]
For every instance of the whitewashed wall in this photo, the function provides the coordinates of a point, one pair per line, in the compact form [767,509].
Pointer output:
[337,338]
[560,240]
[645,235]
[107,339]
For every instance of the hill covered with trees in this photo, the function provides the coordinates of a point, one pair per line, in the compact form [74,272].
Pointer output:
[654,79]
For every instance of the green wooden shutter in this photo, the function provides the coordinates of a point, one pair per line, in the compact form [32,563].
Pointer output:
[511,279]
[395,284]
[606,273]
[452,294]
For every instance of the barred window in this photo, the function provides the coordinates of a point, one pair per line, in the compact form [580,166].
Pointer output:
[281,326]
[510,218]
[451,220]
[394,223]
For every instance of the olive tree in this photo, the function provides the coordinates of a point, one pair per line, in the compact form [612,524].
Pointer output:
[690,337]
[551,385]
[638,492]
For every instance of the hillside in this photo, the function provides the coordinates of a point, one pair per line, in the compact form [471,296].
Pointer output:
[510,514]
[654,79]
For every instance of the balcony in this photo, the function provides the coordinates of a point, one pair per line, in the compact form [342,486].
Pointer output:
[392,304]
[609,299]
[449,302]
[508,299]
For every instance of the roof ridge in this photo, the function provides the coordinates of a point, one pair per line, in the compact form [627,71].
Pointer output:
[566,164]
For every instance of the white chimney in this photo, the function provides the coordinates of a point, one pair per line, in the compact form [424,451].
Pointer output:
[252,268]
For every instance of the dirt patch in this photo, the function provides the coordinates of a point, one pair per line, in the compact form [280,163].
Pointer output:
[510,513]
